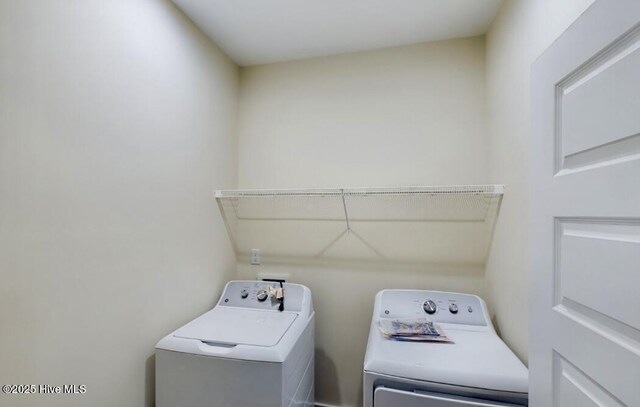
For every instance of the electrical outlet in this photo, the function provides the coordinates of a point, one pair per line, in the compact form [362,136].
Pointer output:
[255,257]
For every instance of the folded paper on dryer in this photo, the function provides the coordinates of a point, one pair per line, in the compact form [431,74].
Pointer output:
[412,329]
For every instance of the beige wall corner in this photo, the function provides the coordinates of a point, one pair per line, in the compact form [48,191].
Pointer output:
[520,33]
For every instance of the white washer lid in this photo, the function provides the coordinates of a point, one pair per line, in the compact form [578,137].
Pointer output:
[235,326]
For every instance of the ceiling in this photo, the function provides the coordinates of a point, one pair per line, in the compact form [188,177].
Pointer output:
[256,32]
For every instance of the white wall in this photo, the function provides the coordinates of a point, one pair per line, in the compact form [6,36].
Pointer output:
[116,123]
[520,33]
[411,115]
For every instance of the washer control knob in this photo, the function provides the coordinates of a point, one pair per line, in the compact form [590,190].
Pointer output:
[453,308]
[429,307]
[262,295]
[244,293]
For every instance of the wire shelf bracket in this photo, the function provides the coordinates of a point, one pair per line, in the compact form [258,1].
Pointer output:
[417,224]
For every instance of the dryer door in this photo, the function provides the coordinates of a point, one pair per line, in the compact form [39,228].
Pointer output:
[385,397]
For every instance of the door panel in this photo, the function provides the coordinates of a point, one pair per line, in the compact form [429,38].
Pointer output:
[574,388]
[590,252]
[600,352]
[597,108]
[585,245]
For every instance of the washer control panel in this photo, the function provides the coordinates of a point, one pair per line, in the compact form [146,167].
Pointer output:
[443,307]
[257,294]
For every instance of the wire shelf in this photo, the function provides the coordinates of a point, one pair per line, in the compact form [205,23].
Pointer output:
[433,224]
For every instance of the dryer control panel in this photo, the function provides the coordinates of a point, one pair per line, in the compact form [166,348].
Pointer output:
[258,295]
[439,306]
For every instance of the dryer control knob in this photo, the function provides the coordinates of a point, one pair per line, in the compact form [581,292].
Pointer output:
[429,307]
[453,308]
[244,293]
[262,295]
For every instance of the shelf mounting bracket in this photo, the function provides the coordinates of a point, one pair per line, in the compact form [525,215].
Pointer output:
[346,214]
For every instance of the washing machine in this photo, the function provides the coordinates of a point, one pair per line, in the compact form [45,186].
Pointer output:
[477,369]
[251,349]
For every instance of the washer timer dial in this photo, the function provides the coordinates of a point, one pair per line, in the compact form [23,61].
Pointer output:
[429,307]
[262,295]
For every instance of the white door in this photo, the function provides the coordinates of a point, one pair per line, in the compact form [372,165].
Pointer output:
[585,341]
